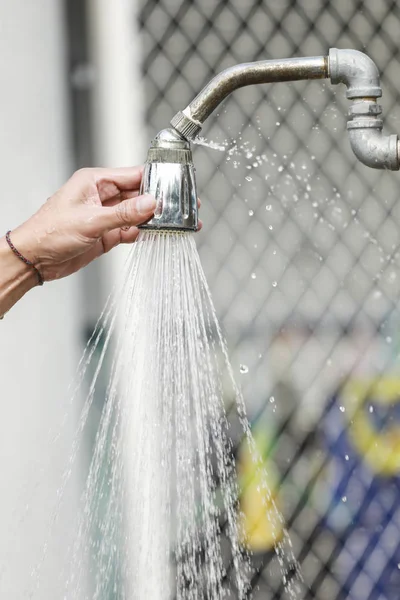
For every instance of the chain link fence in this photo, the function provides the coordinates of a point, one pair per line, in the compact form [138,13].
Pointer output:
[301,250]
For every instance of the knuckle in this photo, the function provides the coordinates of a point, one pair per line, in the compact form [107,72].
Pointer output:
[84,172]
[123,213]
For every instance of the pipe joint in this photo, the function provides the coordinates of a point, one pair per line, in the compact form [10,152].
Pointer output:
[367,141]
[374,149]
[357,71]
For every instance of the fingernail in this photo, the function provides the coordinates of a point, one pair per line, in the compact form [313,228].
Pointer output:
[146,204]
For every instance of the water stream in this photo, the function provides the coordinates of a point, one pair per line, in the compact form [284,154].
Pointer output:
[160,515]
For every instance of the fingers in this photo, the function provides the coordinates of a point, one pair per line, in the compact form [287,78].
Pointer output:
[128,178]
[126,210]
[121,197]
[119,236]
[125,178]
[108,182]
[127,195]
[127,213]
[125,235]
[129,235]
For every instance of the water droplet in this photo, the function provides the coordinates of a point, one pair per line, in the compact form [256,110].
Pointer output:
[253,276]
[272,399]
[268,207]
[389,339]
[274,283]
[277,123]
[344,498]
[342,408]
[248,178]
[347,457]
[244,369]
[371,409]
[280,169]
[251,213]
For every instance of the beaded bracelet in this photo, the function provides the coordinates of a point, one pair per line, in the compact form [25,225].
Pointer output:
[25,260]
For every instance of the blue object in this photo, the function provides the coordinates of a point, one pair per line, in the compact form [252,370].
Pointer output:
[362,506]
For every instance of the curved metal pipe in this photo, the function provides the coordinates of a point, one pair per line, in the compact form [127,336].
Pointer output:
[190,121]
[374,149]
[360,74]
[169,172]
[367,141]
[351,67]
[357,71]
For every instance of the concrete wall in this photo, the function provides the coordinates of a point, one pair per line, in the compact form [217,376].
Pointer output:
[39,337]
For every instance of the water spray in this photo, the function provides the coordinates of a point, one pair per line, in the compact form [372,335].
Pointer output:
[169,171]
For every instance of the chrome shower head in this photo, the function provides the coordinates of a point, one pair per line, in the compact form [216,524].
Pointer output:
[169,176]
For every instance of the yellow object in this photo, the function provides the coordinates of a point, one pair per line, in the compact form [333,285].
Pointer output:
[379,449]
[261,522]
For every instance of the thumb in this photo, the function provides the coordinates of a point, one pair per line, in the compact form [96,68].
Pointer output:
[133,211]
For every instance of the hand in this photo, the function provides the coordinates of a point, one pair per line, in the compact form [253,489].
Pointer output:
[96,210]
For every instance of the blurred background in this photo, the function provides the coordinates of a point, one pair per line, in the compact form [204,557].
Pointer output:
[300,247]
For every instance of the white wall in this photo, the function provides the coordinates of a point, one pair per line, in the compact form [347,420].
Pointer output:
[120,140]
[118,110]
[39,337]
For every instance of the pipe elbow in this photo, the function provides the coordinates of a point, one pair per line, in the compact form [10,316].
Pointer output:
[374,149]
[357,71]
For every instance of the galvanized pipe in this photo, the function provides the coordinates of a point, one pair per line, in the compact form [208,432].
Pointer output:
[169,172]
[350,67]
[365,126]
[190,121]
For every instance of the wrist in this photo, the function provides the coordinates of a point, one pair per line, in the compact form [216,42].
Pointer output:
[16,278]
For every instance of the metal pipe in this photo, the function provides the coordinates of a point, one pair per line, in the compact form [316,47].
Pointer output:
[169,172]
[367,141]
[361,77]
[190,121]
[357,71]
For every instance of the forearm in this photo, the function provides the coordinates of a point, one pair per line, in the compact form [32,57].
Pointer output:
[16,278]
